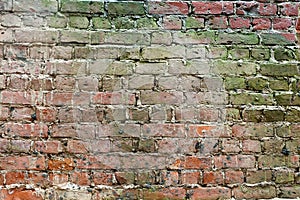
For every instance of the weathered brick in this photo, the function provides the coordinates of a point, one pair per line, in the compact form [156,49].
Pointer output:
[172,7]
[156,53]
[256,192]
[233,68]
[78,22]
[209,193]
[172,23]
[36,6]
[81,6]
[36,36]
[128,8]
[271,69]
[275,39]
[194,37]
[127,38]
[236,38]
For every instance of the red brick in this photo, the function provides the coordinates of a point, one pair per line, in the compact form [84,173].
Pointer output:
[213,8]
[238,22]
[64,130]
[247,8]
[289,9]
[233,177]
[4,113]
[1,179]
[4,145]
[192,162]
[16,51]
[218,22]
[261,24]
[230,146]
[172,23]
[190,177]
[26,130]
[22,114]
[290,36]
[207,131]
[64,83]
[168,8]
[170,178]
[257,176]
[282,23]
[52,147]
[19,83]
[15,178]
[164,193]
[252,131]
[91,162]
[251,146]
[102,178]
[209,193]
[40,179]
[46,114]
[234,161]
[267,9]
[77,146]
[63,164]
[113,98]
[19,194]
[20,146]
[165,130]
[80,178]
[21,98]
[59,99]
[213,177]
[209,114]
[22,163]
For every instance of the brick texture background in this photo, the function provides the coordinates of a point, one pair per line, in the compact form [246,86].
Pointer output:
[149,100]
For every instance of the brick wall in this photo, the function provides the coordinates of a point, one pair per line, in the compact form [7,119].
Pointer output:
[149,100]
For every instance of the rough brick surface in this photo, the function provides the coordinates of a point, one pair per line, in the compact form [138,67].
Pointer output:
[149,99]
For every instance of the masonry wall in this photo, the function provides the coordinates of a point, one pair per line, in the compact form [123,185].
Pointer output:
[149,100]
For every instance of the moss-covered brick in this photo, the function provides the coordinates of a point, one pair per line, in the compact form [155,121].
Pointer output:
[233,68]
[237,38]
[101,23]
[194,22]
[273,115]
[146,23]
[252,115]
[281,54]
[238,53]
[216,52]
[57,21]
[260,54]
[287,99]
[124,23]
[146,145]
[279,85]
[251,98]
[293,115]
[284,176]
[126,8]
[232,83]
[275,39]
[257,83]
[233,114]
[81,6]
[194,37]
[79,22]
[273,69]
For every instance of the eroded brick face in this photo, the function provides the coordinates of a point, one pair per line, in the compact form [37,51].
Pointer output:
[149,100]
